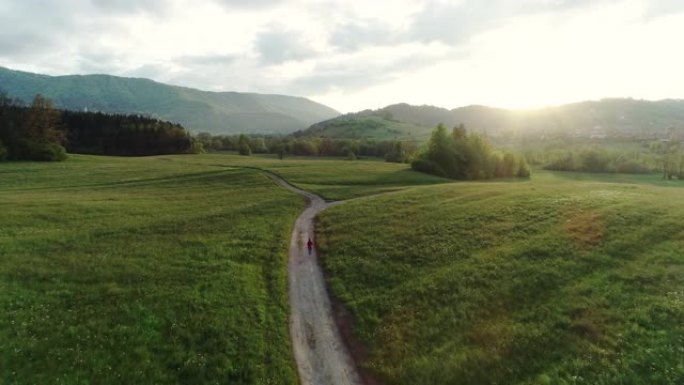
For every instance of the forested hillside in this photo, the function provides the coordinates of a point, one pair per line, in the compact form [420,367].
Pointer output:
[215,112]
[621,118]
[39,131]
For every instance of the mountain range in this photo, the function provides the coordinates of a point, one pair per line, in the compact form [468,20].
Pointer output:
[603,118]
[235,112]
[214,112]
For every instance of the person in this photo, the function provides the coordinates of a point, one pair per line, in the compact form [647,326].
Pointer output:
[309,245]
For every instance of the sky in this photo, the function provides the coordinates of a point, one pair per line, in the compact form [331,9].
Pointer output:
[353,55]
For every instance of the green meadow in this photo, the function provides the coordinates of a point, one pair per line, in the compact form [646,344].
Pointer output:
[150,270]
[331,178]
[132,271]
[563,279]
[172,269]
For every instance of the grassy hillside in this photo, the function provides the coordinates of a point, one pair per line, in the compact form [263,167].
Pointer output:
[167,269]
[367,127]
[143,271]
[622,118]
[566,279]
[215,112]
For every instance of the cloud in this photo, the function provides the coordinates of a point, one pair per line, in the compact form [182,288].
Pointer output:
[279,45]
[456,23]
[357,34]
[14,45]
[370,67]
[47,28]
[350,47]
[248,4]
[661,8]
[131,6]
[205,60]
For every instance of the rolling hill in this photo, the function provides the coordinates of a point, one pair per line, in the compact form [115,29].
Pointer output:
[215,112]
[607,117]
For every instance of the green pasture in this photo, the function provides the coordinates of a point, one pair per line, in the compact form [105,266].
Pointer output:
[172,269]
[167,269]
[333,179]
[143,271]
[564,279]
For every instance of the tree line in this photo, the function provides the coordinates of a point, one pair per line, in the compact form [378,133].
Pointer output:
[130,135]
[462,155]
[39,131]
[391,150]
[665,156]
[30,133]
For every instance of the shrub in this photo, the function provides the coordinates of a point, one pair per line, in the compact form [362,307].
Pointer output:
[428,167]
[523,169]
[49,152]
[594,161]
[565,162]
[631,167]
[41,151]
[196,147]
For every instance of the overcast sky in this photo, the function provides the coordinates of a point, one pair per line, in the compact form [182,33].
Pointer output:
[353,55]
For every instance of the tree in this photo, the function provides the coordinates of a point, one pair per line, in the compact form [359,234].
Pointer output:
[466,156]
[3,152]
[479,165]
[39,137]
[258,146]
[196,147]
[510,165]
[668,154]
[243,146]
[523,169]
[461,151]
[441,150]
[304,147]
[397,154]
[671,161]
[594,161]
[42,121]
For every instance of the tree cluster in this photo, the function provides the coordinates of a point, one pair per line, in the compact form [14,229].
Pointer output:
[596,161]
[30,133]
[392,151]
[670,157]
[664,155]
[41,132]
[462,155]
[128,135]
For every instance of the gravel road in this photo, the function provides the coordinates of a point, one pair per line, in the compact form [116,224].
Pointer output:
[322,358]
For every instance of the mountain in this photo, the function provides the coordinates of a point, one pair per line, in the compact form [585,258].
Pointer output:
[215,112]
[607,117]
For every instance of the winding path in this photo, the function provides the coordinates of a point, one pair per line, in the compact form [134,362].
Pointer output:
[322,358]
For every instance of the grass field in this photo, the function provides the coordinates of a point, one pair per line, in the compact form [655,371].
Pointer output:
[141,271]
[566,279]
[333,179]
[157,270]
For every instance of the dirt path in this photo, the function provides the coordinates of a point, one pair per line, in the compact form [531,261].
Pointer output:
[321,356]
